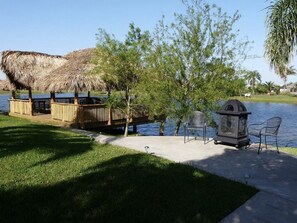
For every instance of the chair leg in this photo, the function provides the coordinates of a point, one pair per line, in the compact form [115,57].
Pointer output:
[185,133]
[204,134]
[276,144]
[189,132]
[265,142]
[260,145]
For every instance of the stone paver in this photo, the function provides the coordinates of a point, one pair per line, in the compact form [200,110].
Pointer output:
[275,175]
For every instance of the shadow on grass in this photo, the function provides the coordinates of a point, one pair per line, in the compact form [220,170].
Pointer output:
[129,188]
[42,138]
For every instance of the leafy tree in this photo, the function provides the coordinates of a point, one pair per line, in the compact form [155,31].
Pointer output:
[260,88]
[198,59]
[281,39]
[252,78]
[122,65]
[156,84]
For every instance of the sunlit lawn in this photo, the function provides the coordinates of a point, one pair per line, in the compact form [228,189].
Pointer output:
[48,174]
[292,151]
[290,99]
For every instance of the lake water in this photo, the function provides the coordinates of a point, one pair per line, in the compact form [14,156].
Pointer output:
[260,112]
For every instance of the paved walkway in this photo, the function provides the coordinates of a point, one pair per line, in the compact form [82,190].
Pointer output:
[275,175]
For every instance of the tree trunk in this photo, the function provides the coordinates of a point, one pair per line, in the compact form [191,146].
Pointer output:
[177,127]
[126,127]
[162,128]
[128,100]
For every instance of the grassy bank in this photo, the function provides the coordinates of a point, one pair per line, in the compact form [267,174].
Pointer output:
[292,151]
[5,92]
[25,92]
[50,174]
[289,99]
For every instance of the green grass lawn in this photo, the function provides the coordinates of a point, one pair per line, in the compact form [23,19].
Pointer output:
[290,99]
[49,174]
[292,151]
[5,92]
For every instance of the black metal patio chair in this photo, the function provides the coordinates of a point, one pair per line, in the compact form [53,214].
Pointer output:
[266,129]
[196,121]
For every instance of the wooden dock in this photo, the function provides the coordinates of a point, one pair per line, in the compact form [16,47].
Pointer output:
[84,116]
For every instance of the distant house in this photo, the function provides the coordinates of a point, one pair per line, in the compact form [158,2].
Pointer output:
[291,87]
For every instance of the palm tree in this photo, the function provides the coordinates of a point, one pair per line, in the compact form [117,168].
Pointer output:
[282,33]
[284,71]
[252,77]
[269,85]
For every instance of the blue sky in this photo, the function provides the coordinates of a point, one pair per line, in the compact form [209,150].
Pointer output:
[60,26]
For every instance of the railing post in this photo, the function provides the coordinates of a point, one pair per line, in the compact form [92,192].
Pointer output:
[109,116]
[30,103]
[21,106]
[76,98]
[81,117]
[12,102]
[53,96]
[13,94]
[52,110]
[134,129]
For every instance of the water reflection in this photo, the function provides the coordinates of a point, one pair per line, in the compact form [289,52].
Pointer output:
[288,113]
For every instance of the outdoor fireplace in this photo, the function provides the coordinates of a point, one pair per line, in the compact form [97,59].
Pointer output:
[232,127]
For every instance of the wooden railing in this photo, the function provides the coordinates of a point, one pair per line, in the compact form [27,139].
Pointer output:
[93,114]
[65,112]
[22,107]
[80,114]
[90,114]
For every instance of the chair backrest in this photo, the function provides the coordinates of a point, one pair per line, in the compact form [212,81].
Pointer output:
[273,125]
[196,119]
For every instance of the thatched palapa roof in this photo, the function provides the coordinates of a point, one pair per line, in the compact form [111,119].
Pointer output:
[5,85]
[23,68]
[74,75]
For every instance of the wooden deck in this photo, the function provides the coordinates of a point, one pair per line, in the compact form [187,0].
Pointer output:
[44,119]
[85,116]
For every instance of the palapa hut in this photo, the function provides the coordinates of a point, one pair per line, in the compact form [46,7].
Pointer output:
[5,85]
[23,68]
[71,73]
[73,76]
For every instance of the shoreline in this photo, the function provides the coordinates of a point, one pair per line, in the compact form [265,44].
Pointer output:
[283,99]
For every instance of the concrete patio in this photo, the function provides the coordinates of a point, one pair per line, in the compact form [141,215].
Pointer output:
[275,175]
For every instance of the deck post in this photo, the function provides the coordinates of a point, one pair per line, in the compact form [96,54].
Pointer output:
[76,98]
[81,116]
[53,96]
[134,129]
[13,94]
[109,116]
[31,102]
